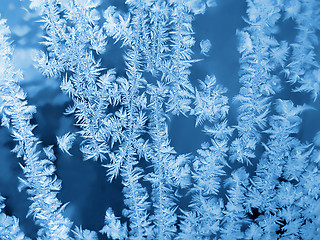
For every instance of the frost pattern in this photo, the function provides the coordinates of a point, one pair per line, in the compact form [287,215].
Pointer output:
[123,117]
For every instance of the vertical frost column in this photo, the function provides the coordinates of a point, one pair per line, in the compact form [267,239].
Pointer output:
[176,69]
[304,70]
[204,221]
[147,37]
[163,160]
[161,38]
[260,55]
[171,42]
[41,182]
[170,171]
[125,159]
[71,30]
